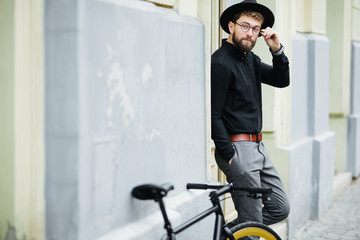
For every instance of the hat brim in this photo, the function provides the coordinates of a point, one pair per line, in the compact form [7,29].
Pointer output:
[231,11]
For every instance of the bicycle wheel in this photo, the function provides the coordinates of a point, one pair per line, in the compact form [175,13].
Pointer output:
[254,229]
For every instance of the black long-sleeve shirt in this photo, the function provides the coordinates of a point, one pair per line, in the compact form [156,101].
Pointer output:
[236,105]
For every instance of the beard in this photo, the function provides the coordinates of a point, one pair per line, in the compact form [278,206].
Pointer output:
[247,47]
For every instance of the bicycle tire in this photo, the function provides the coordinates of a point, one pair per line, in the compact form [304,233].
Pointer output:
[254,229]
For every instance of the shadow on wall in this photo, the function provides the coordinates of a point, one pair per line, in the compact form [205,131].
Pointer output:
[11,234]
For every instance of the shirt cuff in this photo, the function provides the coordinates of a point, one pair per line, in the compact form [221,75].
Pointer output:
[278,52]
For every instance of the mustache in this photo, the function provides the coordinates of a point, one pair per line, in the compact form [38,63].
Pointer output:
[248,39]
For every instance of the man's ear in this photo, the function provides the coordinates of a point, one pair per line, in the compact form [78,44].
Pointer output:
[231,27]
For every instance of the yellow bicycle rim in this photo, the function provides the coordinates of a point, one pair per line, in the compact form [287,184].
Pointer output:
[253,231]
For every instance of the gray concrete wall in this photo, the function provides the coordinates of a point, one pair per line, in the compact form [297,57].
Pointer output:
[324,139]
[353,135]
[125,105]
[311,149]
[300,183]
[61,120]
[301,147]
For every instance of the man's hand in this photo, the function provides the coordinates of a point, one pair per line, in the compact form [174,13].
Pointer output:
[271,38]
[230,161]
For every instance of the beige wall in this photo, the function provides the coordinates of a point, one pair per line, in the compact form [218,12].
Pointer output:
[7,116]
[29,118]
[338,31]
[185,7]
[311,16]
[22,203]
[355,20]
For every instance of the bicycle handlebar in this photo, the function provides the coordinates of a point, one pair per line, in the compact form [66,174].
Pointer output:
[223,190]
[257,190]
[202,186]
[231,188]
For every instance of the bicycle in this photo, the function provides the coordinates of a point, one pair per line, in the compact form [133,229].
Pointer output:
[222,230]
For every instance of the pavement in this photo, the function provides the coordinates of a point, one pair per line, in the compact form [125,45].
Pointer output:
[341,221]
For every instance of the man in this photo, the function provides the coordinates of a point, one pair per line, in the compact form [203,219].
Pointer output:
[236,77]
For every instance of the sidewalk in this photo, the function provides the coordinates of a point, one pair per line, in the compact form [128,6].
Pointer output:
[342,220]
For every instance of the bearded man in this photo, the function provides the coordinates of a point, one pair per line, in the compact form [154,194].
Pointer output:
[236,109]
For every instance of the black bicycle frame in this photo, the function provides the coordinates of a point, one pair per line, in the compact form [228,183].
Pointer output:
[216,208]
[156,193]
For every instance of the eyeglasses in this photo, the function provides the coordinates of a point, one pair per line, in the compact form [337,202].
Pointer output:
[246,27]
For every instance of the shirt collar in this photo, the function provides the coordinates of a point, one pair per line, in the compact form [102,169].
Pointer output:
[238,53]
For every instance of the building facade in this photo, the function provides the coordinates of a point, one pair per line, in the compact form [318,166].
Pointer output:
[98,96]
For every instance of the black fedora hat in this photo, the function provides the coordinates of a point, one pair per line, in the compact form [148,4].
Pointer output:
[246,5]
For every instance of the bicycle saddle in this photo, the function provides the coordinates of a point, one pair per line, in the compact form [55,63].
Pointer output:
[151,191]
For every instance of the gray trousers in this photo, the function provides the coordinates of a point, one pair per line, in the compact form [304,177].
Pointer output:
[251,167]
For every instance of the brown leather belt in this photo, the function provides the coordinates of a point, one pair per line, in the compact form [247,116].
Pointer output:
[246,137]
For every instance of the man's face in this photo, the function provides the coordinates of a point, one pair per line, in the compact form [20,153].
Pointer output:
[245,41]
